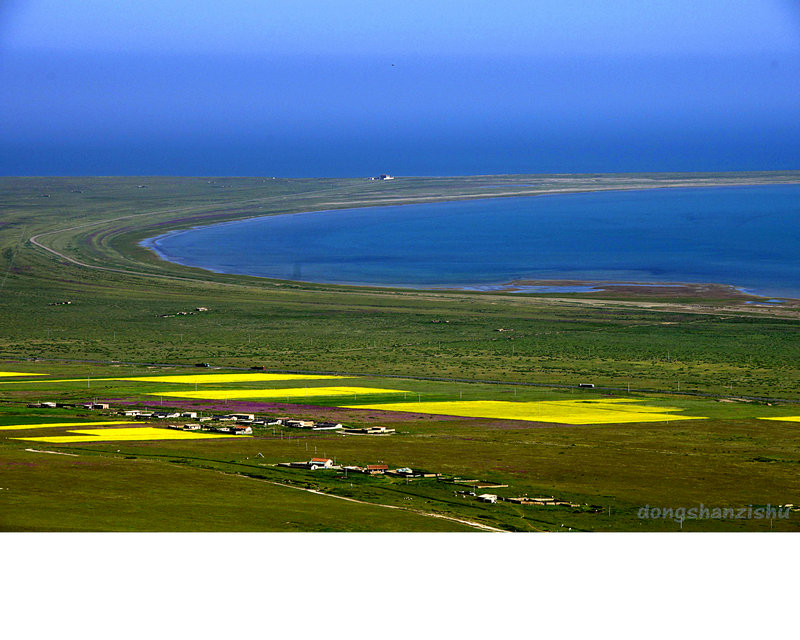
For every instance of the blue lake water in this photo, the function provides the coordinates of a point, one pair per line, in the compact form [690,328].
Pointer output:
[743,236]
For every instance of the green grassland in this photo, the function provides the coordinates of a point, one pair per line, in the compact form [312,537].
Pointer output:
[440,345]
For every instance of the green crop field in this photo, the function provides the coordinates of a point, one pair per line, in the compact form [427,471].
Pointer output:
[701,353]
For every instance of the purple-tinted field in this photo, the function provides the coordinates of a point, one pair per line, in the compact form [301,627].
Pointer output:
[241,406]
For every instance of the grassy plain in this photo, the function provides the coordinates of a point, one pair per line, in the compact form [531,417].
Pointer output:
[75,240]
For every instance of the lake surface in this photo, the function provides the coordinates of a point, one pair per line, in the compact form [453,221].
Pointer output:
[743,236]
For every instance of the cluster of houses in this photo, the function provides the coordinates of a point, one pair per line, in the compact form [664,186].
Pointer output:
[234,429]
[233,423]
[381,469]
[69,405]
[524,500]
[371,469]
[333,426]
[241,423]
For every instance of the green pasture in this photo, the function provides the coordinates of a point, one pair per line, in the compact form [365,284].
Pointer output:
[95,492]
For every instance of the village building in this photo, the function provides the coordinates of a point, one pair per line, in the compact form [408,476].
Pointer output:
[327,426]
[299,424]
[95,405]
[242,430]
[166,415]
[242,416]
[376,469]
[370,431]
[320,463]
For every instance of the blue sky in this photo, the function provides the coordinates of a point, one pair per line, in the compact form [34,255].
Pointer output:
[355,87]
[522,27]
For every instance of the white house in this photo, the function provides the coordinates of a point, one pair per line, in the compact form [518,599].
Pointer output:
[327,426]
[302,424]
[95,405]
[242,431]
[320,463]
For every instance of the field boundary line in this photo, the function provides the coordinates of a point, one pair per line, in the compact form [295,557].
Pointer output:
[56,453]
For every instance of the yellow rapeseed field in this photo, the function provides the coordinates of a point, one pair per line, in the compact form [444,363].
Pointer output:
[119,435]
[9,374]
[276,394]
[39,381]
[209,378]
[786,418]
[53,425]
[556,411]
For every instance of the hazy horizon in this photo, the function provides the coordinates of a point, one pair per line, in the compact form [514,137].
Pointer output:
[458,89]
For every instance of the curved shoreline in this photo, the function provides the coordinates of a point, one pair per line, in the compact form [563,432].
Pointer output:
[556,285]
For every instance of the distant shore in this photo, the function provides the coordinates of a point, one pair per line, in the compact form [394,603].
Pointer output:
[530,286]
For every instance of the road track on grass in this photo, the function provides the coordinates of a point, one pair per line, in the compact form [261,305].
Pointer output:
[35,239]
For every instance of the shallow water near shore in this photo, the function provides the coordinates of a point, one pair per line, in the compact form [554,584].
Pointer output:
[741,236]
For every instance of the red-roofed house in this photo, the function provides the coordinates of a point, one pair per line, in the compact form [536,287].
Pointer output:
[244,430]
[377,468]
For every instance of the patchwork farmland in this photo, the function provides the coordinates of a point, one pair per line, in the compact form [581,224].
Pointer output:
[509,446]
